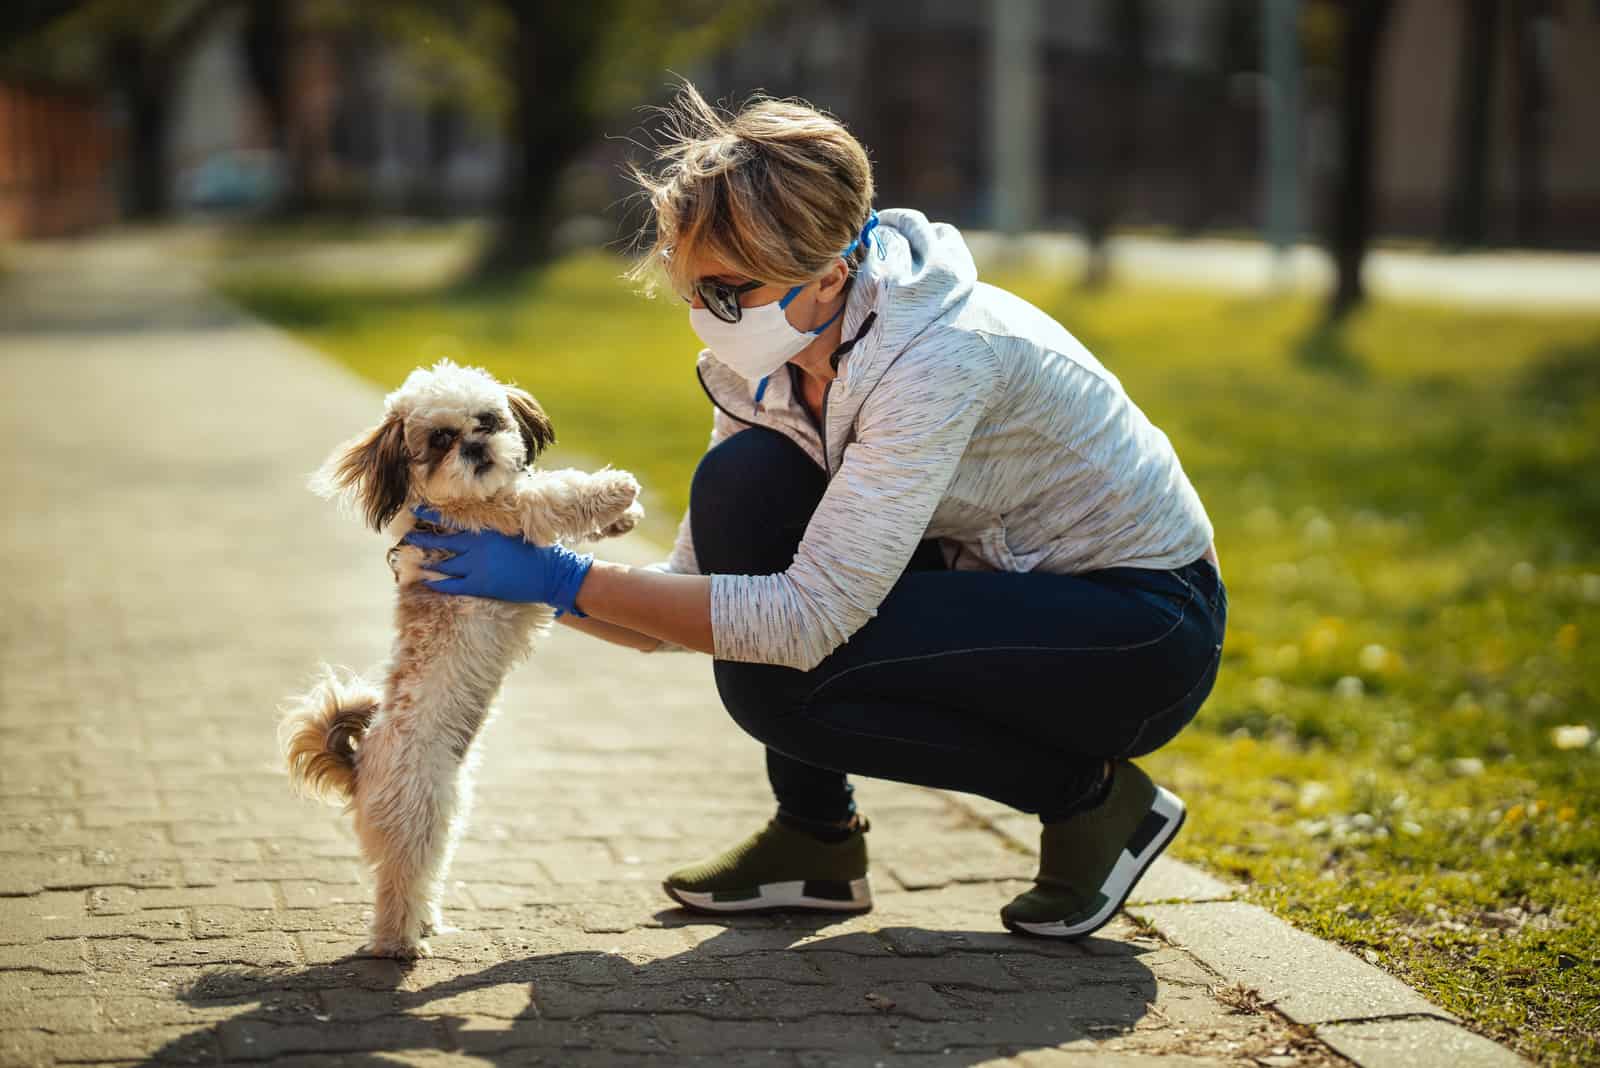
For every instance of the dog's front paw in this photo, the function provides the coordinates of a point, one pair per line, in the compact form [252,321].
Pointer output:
[626,522]
[614,502]
[614,493]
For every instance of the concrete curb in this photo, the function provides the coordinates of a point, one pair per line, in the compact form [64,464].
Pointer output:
[1357,1008]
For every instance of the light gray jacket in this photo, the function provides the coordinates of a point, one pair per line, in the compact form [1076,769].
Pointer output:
[964,414]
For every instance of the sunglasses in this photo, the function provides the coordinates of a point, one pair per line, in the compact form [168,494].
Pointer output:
[722,298]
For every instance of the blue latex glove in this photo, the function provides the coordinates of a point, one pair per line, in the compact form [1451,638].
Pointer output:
[506,568]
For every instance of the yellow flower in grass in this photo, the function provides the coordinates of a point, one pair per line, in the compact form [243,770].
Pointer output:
[1567,638]
[1324,636]
[1376,659]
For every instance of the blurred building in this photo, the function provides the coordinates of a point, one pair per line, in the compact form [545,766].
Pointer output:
[56,153]
[1542,68]
[358,130]
[1153,114]
[1087,114]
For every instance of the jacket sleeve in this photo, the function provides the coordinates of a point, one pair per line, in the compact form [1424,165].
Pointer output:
[911,433]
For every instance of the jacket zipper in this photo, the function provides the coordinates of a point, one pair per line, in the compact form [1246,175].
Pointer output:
[820,434]
[822,429]
[796,387]
[710,397]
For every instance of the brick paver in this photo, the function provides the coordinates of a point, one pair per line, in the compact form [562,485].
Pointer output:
[162,898]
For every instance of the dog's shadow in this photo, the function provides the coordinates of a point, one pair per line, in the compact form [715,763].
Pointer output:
[761,989]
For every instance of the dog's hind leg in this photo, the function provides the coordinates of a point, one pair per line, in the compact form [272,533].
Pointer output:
[466,771]
[406,819]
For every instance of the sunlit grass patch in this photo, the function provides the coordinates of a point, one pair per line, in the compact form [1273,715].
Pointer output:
[1401,752]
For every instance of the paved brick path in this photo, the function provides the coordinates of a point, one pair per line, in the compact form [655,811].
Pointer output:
[168,579]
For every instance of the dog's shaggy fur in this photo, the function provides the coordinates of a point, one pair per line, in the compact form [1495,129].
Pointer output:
[402,757]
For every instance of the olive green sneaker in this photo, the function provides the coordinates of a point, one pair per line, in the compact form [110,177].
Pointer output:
[777,868]
[1089,863]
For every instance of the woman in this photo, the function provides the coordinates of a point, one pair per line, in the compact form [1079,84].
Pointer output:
[932,541]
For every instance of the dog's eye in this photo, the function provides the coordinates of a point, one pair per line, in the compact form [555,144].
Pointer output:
[441,438]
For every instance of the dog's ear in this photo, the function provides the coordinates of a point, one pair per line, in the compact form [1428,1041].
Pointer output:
[372,471]
[537,433]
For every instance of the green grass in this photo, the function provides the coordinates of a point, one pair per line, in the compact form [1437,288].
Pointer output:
[1408,516]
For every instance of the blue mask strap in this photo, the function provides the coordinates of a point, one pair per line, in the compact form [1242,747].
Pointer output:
[831,318]
[866,234]
[864,237]
[789,298]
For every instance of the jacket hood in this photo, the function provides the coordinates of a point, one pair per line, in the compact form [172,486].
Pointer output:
[915,274]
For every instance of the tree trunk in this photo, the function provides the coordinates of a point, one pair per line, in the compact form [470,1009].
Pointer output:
[1352,210]
[144,87]
[145,73]
[1464,218]
[149,196]
[1125,74]
[429,195]
[1532,123]
[551,122]
[264,46]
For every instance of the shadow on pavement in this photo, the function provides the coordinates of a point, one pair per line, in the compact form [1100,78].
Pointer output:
[750,993]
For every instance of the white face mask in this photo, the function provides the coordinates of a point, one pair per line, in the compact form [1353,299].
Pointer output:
[763,339]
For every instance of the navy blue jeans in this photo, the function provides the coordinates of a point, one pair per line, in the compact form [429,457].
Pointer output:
[1017,687]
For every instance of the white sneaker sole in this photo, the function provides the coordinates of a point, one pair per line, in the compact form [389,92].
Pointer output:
[1125,874]
[854,896]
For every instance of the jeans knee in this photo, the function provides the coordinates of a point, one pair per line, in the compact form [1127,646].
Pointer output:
[750,501]
[755,697]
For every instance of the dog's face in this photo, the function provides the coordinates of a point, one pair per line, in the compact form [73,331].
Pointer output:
[450,434]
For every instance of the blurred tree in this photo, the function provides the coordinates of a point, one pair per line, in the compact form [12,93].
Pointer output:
[134,47]
[1364,23]
[1211,130]
[1126,71]
[550,73]
[1466,206]
[264,45]
[454,49]
[1533,28]
[571,67]
[19,19]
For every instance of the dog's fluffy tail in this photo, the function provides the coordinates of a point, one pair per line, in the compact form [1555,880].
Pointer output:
[321,730]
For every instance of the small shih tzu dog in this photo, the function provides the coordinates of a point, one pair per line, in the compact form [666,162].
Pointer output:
[402,756]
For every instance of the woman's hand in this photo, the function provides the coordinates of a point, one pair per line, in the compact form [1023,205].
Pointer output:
[503,567]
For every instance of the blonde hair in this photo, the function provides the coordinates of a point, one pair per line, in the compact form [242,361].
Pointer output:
[775,191]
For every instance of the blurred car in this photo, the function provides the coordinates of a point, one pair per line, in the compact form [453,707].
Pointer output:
[234,180]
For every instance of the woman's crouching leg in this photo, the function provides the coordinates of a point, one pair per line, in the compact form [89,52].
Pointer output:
[749,505]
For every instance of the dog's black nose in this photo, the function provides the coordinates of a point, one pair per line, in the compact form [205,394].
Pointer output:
[474,452]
